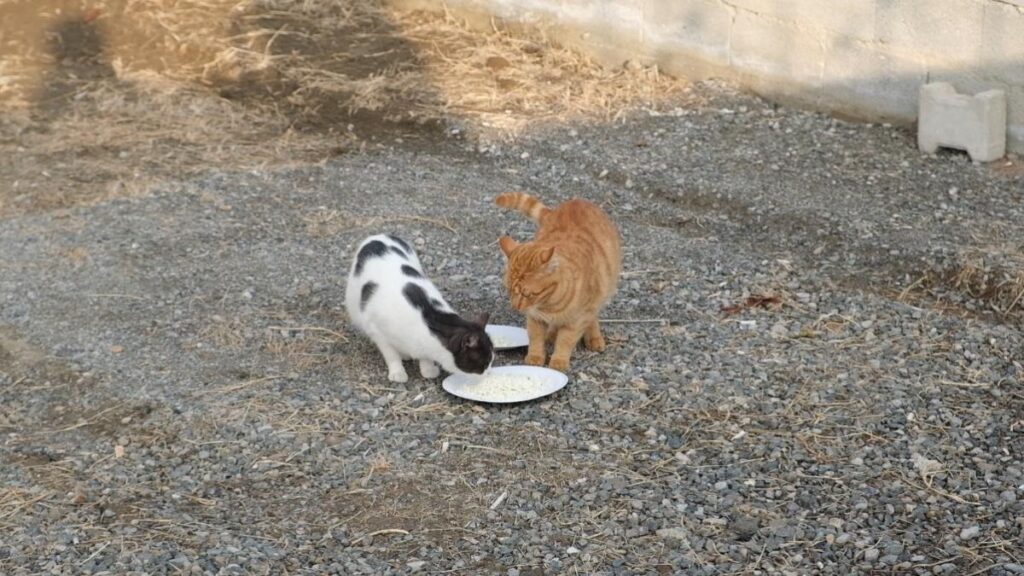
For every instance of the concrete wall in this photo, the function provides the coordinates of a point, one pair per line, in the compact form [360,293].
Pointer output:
[864,58]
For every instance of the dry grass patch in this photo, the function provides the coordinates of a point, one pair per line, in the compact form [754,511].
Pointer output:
[326,222]
[107,98]
[224,333]
[303,347]
[298,353]
[990,278]
[997,279]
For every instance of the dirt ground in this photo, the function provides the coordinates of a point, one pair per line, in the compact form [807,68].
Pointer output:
[814,361]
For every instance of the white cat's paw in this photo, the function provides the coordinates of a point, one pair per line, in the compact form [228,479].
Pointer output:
[398,375]
[429,370]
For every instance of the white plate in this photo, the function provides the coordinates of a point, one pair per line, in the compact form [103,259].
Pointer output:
[514,336]
[474,387]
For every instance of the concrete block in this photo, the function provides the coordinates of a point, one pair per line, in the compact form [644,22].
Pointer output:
[694,26]
[871,80]
[976,124]
[852,18]
[775,49]
[948,31]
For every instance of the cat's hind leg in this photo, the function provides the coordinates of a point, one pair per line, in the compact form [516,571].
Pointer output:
[396,371]
[592,337]
[429,370]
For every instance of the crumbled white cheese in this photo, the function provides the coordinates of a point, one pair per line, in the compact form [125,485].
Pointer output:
[505,386]
[500,342]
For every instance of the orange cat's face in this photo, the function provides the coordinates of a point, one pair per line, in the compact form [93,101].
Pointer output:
[531,274]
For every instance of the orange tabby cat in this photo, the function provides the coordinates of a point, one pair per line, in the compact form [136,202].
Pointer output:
[563,278]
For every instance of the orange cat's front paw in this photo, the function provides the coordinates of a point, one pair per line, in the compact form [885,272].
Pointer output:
[535,359]
[595,344]
[560,364]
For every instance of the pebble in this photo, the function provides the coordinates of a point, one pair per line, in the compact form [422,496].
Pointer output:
[680,534]
[970,532]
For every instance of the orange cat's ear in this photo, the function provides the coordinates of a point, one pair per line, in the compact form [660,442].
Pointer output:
[546,255]
[507,245]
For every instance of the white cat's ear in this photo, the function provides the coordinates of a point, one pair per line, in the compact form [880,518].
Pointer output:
[507,245]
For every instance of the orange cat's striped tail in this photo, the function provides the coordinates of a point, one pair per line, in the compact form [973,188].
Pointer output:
[523,202]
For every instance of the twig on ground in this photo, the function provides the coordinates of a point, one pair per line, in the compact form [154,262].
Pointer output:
[381,533]
[478,447]
[631,273]
[937,491]
[635,321]
[239,386]
[906,291]
[442,223]
[95,554]
[83,423]
[129,296]
[497,502]
[338,335]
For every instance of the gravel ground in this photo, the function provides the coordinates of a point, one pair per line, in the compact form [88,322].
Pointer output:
[180,392]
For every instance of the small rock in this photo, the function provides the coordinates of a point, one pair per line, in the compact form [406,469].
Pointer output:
[745,527]
[779,329]
[681,534]
[871,554]
[497,63]
[416,565]
[970,532]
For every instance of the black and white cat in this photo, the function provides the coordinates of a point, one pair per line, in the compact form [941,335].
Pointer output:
[390,299]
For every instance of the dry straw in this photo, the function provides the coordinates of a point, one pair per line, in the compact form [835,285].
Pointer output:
[135,91]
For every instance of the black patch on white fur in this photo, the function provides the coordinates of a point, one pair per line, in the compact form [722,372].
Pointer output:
[411,272]
[399,251]
[405,245]
[468,342]
[368,289]
[436,303]
[417,296]
[372,249]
